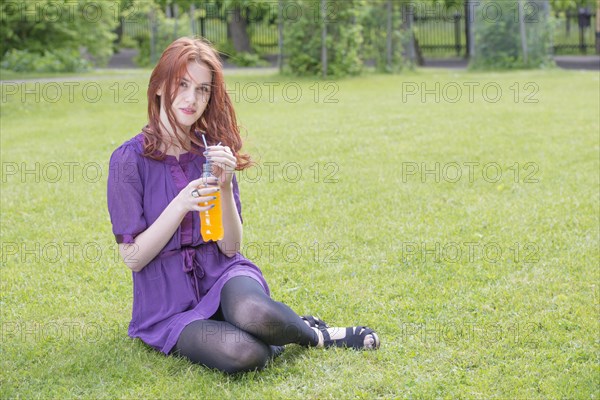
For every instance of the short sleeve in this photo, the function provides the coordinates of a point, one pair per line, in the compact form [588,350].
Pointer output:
[236,197]
[125,194]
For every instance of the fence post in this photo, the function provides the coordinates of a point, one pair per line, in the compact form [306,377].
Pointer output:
[457,33]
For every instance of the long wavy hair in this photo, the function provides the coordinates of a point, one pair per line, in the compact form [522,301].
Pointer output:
[218,122]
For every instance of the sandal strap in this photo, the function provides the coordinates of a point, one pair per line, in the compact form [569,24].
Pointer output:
[327,342]
[320,322]
[310,319]
[355,337]
[314,322]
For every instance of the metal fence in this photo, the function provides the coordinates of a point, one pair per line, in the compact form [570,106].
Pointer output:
[437,36]
[441,36]
[211,23]
[574,33]
[444,36]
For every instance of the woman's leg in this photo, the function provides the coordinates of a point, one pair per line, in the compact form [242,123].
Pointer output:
[219,344]
[245,305]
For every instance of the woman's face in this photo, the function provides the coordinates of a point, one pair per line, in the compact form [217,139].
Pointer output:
[191,96]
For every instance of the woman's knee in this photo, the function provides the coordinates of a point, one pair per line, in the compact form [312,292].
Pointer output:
[251,309]
[246,356]
[222,346]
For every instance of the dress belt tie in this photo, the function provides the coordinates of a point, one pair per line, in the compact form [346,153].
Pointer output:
[190,265]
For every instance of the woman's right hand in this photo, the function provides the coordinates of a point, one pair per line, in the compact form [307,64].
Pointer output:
[197,192]
[150,242]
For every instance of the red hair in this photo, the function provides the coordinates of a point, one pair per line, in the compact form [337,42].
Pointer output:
[218,122]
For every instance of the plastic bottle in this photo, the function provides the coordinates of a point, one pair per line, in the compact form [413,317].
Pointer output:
[211,221]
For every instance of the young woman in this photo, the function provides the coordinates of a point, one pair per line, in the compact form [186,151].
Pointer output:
[201,300]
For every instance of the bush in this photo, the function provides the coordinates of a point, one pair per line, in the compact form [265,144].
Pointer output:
[227,52]
[54,38]
[59,60]
[302,38]
[167,30]
[248,60]
[375,37]
[498,39]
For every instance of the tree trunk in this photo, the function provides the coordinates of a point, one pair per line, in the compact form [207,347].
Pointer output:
[193,27]
[119,31]
[324,39]
[280,36]
[523,32]
[407,26]
[389,33]
[176,17]
[239,34]
[470,29]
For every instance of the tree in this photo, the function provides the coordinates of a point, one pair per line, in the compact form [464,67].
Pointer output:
[48,26]
[570,5]
[238,26]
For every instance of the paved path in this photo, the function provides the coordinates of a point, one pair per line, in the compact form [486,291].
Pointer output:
[565,62]
[578,62]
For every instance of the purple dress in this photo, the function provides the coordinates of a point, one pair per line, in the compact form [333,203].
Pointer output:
[183,282]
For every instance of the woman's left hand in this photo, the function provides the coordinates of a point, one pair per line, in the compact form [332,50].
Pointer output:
[224,163]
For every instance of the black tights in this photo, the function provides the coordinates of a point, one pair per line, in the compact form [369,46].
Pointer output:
[252,325]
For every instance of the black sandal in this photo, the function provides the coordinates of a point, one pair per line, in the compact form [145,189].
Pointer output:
[355,338]
[314,322]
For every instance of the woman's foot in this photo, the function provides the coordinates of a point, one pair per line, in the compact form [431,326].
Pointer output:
[356,337]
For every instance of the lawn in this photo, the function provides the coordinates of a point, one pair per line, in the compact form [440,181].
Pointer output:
[463,228]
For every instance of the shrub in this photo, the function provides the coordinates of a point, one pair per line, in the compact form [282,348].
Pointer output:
[54,37]
[498,39]
[302,38]
[166,30]
[58,60]
[248,60]
[374,23]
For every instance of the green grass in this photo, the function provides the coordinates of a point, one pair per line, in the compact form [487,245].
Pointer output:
[520,324]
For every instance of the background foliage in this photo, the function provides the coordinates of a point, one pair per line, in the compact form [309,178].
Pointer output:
[49,35]
[67,35]
[344,38]
[498,39]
